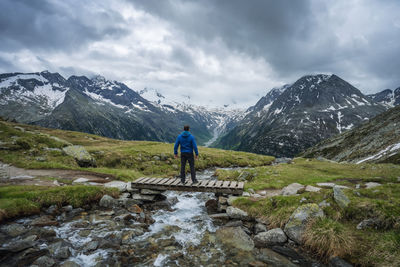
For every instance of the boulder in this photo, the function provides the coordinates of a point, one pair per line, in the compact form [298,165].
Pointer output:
[222,200]
[80,180]
[372,185]
[121,186]
[259,227]
[13,230]
[141,197]
[341,199]
[272,237]
[212,206]
[296,225]
[45,220]
[150,192]
[234,223]
[82,157]
[310,188]
[235,237]
[130,189]
[108,202]
[331,185]
[368,223]
[236,213]
[338,262]
[44,261]
[17,246]
[245,194]
[292,189]
[134,208]
[60,250]
[273,259]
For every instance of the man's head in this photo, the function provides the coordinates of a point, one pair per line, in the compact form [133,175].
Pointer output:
[186,128]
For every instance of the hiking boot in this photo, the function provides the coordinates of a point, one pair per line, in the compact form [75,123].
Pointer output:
[183,181]
[195,181]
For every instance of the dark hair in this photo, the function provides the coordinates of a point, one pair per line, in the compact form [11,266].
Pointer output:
[186,128]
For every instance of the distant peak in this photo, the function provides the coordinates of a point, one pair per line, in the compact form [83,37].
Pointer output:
[98,78]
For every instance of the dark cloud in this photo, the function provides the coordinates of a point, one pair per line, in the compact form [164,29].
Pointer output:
[44,25]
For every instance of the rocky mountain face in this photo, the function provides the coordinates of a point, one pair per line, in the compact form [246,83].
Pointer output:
[290,119]
[388,97]
[376,141]
[103,107]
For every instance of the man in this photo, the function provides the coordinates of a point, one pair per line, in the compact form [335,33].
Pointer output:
[188,144]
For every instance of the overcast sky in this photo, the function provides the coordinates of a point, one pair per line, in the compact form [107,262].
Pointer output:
[216,51]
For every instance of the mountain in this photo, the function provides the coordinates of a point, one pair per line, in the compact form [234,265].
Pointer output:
[376,141]
[292,118]
[388,97]
[103,107]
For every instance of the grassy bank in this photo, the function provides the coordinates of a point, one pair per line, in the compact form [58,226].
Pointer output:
[336,234]
[39,148]
[18,201]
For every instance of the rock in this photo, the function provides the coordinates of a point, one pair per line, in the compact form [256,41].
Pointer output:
[19,128]
[80,180]
[13,230]
[222,208]
[150,192]
[251,191]
[221,217]
[124,196]
[303,199]
[222,200]
[338,262]
[53,209]
[274,259]
[358,186]
[272,237]
[17,246]
[134,208]
[259,227]
[310,188]
[144,197]
[60,250]
[236,213]
[107,213]
[257,264]
[44,261]
[331,185]
[56,183]
[256,195]
[156,158]
[127,202]
[296,225]
[230,200]
[70,264]
[117,184]
[173,200]
[235,237]
[43,232]
[368,223]
[81,156]
[234,224]
[92,245]
[245,194]
[292,189]
[341,199]
[44,220]
[324,204]
[212,206]
[41,159]
[282,160]
[291,254]
[130,189]
[372,185]
[107,202]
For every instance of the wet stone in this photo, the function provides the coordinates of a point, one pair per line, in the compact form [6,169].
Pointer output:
[13,230]
[44,220]
[45,261]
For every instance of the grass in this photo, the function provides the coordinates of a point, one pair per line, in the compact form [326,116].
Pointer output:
[312,171]
[26,200]
[126,160]
[336,234]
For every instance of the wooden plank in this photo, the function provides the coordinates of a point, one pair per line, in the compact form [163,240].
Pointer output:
[203,183]
[226,184]
[211,184]
[218,184]
[144,180]
[188,183]
[240,185]
[233,184]
[162,181]
[151,181]
[138,180]
[170,181]
[178,180]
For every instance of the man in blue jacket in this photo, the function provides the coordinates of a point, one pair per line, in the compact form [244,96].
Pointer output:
[188,144]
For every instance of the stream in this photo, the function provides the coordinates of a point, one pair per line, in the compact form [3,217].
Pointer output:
[184,235]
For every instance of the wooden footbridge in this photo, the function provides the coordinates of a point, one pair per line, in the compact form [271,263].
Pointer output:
[174,184]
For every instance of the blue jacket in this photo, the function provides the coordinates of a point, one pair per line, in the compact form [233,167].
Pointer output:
[187,142]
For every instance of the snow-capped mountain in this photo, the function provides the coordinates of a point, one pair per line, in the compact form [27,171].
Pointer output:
[388,97]
[290,119]
[104,107]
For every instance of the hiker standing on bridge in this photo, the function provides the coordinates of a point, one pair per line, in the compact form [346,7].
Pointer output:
[188,144]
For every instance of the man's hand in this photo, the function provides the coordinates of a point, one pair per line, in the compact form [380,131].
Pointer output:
[196,157]
[176,156]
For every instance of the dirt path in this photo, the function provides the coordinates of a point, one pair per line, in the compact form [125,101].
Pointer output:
[18,176]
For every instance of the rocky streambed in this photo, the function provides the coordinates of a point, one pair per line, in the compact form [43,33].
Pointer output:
[174,230]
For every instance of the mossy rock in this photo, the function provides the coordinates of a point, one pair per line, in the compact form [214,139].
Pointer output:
[82,157]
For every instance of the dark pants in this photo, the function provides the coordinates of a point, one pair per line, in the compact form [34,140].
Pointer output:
[187,157]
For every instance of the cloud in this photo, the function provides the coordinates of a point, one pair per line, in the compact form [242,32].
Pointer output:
[218,52]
